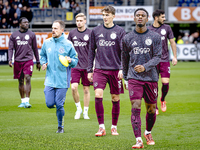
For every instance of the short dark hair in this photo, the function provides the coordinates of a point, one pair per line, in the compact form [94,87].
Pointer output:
[109,9]
[20,20]
[157,13]
[62,23]
[143,10]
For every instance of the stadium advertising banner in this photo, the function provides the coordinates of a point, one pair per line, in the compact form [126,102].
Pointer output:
[122,13]
[184,14]
[185,52]
[4,43]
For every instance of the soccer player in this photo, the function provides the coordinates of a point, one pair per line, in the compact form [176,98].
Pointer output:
[106,47]
[24,43]
[57,79]
[80,39]
[164,66]
[141,53]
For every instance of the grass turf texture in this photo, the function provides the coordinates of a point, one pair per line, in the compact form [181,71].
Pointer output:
[34,128]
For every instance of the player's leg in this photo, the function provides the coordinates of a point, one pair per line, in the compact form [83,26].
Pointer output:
[75,79]
[136,93]
[28,70]
[115,113]
[150,97]
[100,112]
[49,93]
[165,76]
[86,90]
[27,88]
[18,74]
[21,92]
[60,95]
[99,84]
[116,88]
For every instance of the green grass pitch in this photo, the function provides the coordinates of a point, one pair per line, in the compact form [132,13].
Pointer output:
[178,128]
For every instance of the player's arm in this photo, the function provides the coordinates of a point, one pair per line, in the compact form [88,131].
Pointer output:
[10,51]
[91,52]
[157,51]
[125,59]
[43,57]
[35,50]
[120,74]
[173,46]
[73,57]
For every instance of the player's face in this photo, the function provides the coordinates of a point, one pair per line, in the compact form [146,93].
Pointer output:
[80,22]
[107,18]
[161,19]
[24,24]
[56,30]
[140,18]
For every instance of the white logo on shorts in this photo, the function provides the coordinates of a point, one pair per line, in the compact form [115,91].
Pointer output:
[95,84]
[155,91]
[131,93]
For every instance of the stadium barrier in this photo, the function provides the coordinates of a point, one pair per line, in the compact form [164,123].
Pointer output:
[184,51]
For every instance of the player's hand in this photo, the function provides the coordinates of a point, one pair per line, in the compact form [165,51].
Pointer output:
[174,61]
[10,63]
[38,66]
[139,68]
[90,77]
[126,84]
[69,59]
[44,66]
[120,74]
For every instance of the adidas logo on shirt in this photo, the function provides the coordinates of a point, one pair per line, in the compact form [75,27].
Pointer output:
[134,43]
[17,38]
[101,35]
[75,37]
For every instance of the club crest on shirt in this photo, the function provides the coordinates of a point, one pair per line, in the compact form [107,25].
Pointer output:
[163,31]
[113,35]
[27,37]
[49,50]
[86,37]
[61,50]
[148,41]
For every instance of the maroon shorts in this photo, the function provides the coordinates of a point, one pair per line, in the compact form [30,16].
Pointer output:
[77,74]
[142,89]
[22,68]
[102,77]
[164,69]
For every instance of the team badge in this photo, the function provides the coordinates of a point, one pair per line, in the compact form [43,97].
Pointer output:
[95,84]
[148,41]
[113,35]
[86,37]
[27,37]
[61,50]
[131,93]
[49,50]
[163,31]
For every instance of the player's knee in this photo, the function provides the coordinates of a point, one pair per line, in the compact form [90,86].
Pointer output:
[50,105]
[151,111]
[98,95]
[74,88]
[28,78]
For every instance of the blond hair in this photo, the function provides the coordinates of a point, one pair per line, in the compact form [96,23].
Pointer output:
[81,15]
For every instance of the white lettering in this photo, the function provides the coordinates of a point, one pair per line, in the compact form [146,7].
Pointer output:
[185,14]
[22,42]
[2,40]
[77,43]
[138,50]
[106,43]
[3,57]
[39,40]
